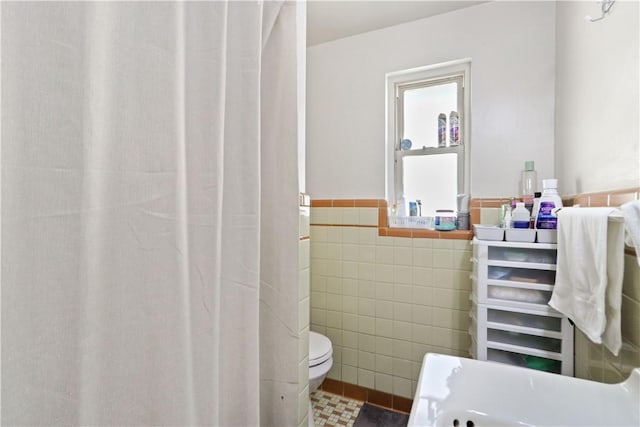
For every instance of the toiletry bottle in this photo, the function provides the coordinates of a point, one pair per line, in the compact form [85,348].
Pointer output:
[506,223]
[528,204]
[413,209]
[454,129]
[520,218]
[442,130]
[402,209]
[550,200]
[503,214]
[529,179]
[536,207]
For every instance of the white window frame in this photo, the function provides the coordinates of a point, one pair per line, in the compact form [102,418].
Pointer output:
[397,82]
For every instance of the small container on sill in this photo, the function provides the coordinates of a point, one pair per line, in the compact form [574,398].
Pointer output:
[445,220]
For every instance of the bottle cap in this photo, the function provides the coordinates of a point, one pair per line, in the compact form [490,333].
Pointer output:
[529,165]
[405,144]
[549,183]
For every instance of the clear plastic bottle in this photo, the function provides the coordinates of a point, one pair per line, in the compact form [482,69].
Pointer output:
[402,206]
[505,214]
[549,202]
[506,222]
[529,180]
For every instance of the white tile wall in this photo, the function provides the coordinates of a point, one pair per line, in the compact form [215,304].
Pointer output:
[595,362]
[304,303]
[386,301]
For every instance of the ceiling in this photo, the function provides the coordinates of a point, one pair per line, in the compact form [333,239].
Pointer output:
[330,20]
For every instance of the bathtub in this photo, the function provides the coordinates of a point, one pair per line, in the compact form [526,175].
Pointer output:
[459,392]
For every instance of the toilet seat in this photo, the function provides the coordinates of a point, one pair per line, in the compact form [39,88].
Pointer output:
[320,349]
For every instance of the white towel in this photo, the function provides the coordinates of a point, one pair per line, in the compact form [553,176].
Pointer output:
[631,213]
[588,286]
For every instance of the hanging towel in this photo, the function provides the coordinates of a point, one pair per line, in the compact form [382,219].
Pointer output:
[631,213]
[588,287]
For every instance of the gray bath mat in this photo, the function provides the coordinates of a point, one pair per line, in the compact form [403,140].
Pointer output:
[375,416]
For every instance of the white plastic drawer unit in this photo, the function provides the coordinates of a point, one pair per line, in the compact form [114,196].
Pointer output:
[514,273]
[539,339]
[511,321]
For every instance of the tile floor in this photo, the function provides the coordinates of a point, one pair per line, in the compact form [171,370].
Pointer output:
[333,410]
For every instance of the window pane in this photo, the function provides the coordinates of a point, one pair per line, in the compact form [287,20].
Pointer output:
[433,179]
[421,109]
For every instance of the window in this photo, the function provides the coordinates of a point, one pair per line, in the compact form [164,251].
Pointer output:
[433,170]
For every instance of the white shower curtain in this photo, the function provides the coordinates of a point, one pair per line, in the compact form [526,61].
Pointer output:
[149,213]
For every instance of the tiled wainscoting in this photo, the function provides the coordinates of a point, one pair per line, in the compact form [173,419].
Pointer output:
[385,301]
[304,283]
[593,361]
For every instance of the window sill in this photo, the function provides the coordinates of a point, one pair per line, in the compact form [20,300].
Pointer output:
[425,234]
[382,222]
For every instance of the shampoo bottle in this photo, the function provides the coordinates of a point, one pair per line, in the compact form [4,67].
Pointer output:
[549,202]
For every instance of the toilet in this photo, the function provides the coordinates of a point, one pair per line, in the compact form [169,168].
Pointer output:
[320,359]
[320,362]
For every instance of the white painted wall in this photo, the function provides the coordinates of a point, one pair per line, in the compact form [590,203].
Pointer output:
[512,46]
[597,98]
[301,53]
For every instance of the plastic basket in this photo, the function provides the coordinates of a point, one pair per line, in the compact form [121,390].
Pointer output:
[426,222]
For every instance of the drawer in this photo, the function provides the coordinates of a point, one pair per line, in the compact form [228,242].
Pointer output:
[520,275]
[525,255]
[497,294]
[528,343]
[510,294]
[525,361]
[504,319]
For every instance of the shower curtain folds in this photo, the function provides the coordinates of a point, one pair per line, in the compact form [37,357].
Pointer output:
[148,229]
